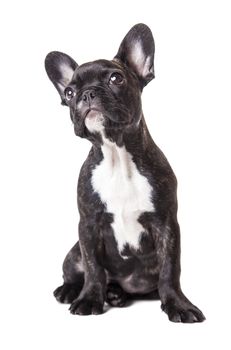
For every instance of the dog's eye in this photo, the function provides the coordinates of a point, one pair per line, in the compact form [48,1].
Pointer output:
[69,93]
[116,79]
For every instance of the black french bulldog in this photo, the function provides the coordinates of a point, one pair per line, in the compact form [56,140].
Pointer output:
[129,237]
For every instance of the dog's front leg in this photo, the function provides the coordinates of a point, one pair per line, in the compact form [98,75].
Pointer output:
[92,296]
[174,302]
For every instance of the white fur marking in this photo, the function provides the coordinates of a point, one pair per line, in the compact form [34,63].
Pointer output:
[94,122]
[126,193]
[141,62]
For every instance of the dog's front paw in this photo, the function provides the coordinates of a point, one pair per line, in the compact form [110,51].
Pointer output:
[181,311]
[85,306]
[67,293]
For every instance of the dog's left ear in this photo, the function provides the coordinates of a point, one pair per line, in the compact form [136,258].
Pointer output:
[137,52]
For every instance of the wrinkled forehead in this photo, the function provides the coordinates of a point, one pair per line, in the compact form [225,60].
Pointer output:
[94,69]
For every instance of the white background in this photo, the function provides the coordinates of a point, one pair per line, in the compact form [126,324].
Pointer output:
[187,108]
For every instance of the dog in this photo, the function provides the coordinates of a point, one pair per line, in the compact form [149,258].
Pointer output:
[129,236]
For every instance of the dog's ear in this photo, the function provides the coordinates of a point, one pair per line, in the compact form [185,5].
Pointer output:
[137,52]
[60,69]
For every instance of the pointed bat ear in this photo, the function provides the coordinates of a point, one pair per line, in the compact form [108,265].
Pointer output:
[60,69]
[137,52]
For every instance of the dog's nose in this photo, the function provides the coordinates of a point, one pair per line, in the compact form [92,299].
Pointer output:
[88,96]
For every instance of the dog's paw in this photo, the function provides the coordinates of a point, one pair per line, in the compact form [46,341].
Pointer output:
[67,293]
[115,295]
[182,312]
[86,307]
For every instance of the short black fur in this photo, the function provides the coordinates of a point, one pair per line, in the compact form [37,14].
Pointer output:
[94,270]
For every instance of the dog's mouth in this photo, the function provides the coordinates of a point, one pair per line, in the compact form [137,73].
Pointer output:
[94,120]
[92,113]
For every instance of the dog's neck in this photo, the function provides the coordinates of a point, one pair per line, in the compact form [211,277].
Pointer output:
[135,138]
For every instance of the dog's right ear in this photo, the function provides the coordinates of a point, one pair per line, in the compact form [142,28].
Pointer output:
[60,69]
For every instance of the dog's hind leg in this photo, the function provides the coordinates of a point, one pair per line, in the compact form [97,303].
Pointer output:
[73,276]
[115,295]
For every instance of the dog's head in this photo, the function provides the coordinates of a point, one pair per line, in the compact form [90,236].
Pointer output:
[105,95]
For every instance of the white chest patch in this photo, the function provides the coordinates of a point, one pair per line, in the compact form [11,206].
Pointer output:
[125,192]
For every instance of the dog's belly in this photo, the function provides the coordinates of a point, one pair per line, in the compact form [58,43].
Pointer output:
[139,276]
[124,191]
[139,284]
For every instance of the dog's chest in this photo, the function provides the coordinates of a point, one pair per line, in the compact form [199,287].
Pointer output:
[125,192]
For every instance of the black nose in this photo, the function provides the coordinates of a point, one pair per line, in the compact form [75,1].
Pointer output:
[88,96]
